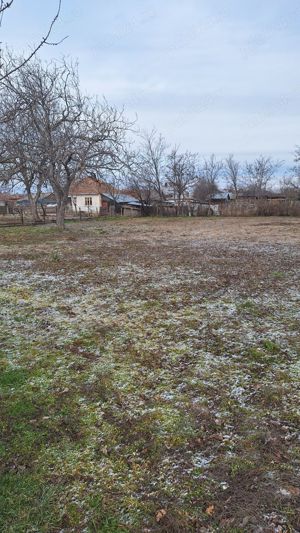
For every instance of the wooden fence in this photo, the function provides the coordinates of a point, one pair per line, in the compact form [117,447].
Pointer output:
[22,217]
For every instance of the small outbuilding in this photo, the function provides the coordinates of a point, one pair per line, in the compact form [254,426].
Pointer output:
[122,204]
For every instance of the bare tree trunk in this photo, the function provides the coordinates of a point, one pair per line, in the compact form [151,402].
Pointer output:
[60,212]
[33,205]
[34,210]
[44,213]
[179,205]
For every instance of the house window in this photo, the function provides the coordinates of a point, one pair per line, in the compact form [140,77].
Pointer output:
[88,200]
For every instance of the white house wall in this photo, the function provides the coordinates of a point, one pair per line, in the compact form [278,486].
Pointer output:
[79,203]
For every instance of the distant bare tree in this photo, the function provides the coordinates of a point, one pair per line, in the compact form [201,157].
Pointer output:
[8,64]
[204,189]
[290,184]
[232,173]
[259,174]
[152,161]
[297,155]
[138,183]
[208,180]
[181,173]
[211,171]
[147,169]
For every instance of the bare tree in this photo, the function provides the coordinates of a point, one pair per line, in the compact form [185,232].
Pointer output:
[152,161]
[211,171]
[232,172]
[10,65]
[181,173]
[259,174]
[204,189]
[74,133]
[146,170]
[22,162]
[290,184]
[297,155]
[138,183]
[208,180]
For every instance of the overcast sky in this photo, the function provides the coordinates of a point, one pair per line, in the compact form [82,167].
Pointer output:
[212,75]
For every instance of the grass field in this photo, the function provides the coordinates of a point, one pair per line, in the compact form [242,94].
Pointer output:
[150,376]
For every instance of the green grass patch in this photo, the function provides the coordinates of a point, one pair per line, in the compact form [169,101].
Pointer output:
[13,377]
[250,307]
[239,466]
[28,503]
[21,409]
[270,346]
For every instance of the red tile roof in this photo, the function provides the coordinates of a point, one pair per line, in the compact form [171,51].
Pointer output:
[87,185]
[6,197]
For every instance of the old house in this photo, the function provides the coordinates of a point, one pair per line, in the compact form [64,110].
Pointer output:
[86,195]
[92,196]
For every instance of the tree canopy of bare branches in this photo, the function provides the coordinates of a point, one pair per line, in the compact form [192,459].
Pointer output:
[290,184]
[71,133]
[211,170]
[146,169]
[22,163]
[259,174]
[181,173]
[232,173]
[208,180]
[152,160]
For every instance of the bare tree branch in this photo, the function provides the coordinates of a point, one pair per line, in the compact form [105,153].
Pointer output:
[11,67]
[4,6]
